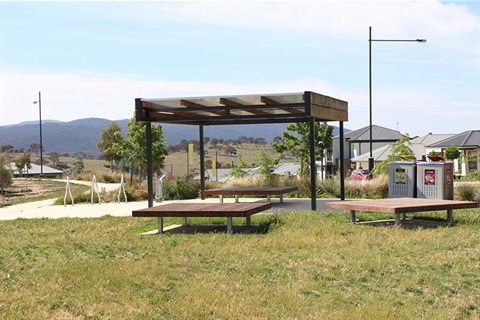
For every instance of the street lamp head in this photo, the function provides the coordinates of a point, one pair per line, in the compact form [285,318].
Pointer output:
[35,102]
[421,40]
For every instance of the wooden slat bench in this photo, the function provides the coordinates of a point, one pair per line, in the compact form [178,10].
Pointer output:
[184,210]
[237,191]
[402,206]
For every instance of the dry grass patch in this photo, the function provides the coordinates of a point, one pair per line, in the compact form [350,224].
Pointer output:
[308,265]
[28,190]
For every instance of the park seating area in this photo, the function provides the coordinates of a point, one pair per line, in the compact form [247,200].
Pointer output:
[252,191]
[401,206]
[210,210]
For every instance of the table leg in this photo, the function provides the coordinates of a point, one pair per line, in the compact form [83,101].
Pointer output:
[352,216]
[221,198]
[160,225]
[449,216]
[404,216]
[269,199]
[184,221]
[236,198]
[229,225]
[281,197]
[397,220]
[249,221]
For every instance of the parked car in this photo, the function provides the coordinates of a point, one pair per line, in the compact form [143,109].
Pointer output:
[360,174]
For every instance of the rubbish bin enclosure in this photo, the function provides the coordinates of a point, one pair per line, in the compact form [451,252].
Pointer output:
[401,179]
[435,180]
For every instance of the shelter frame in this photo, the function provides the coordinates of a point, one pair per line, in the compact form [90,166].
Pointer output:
[203,111]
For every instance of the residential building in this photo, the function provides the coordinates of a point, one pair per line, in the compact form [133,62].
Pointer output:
[357,142]
[468,143]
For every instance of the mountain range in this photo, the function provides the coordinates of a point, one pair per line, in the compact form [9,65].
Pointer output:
[82,135]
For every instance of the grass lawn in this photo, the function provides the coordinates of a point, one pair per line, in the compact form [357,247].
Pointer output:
[302,265]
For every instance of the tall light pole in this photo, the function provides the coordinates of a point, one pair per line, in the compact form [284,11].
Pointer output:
[40,123]
[371,160]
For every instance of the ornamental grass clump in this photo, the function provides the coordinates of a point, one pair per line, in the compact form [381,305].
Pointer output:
[468,191]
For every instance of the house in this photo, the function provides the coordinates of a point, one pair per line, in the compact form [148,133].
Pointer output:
[468,143]
[35,171]
[418,145]
[357,142]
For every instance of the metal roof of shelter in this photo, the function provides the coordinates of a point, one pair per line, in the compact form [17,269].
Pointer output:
[243,109]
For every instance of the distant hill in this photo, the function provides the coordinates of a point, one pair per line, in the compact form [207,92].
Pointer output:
[82,135]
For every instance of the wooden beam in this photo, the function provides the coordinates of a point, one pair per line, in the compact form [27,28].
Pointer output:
[267,100]
[153,106]
[232,103]
[190,104]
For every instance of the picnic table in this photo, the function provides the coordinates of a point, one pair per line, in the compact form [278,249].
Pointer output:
[185,210]
[237,191]
[401,206]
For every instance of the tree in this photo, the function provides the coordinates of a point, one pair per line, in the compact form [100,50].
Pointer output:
[23,162]
[55,157]
[34,148]
[6,176]
[109,136]
[452,153]
[296,138]
[237,171]
[8,148]
[277,139]
[401,147]
[134,148]
[80,154]
[267,164]
[77,166]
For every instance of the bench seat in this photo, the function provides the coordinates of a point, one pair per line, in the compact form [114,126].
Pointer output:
[402,206]
[185,210]
[238,191]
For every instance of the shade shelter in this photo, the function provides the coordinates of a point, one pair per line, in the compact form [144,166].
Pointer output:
[243,109]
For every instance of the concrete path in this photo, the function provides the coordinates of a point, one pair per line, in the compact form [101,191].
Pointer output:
[46,209]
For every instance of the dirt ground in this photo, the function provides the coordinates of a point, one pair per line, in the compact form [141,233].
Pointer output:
[25,190]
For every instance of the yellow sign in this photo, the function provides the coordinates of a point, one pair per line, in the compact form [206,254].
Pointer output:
[190,154]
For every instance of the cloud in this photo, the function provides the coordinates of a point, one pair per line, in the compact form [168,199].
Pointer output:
[332,18]
[70,96]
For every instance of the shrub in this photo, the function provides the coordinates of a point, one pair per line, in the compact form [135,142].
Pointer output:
[180,188]
[468,192]
[109,177]
[330,187]
[101,176]
[245,181]
[374,188]
[78,198]
[473,176]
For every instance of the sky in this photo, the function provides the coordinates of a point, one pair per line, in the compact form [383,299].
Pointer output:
[92,59]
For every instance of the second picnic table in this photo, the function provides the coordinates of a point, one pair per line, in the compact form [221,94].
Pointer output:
[237,191]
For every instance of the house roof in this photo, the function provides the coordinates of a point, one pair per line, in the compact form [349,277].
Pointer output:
[467,139]
[290,167]
[378,134]
[35,169]
[431,138]
[381,154]
[378,154]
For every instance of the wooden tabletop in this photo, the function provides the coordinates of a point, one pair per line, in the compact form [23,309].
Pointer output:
[401,205]
[203,210]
